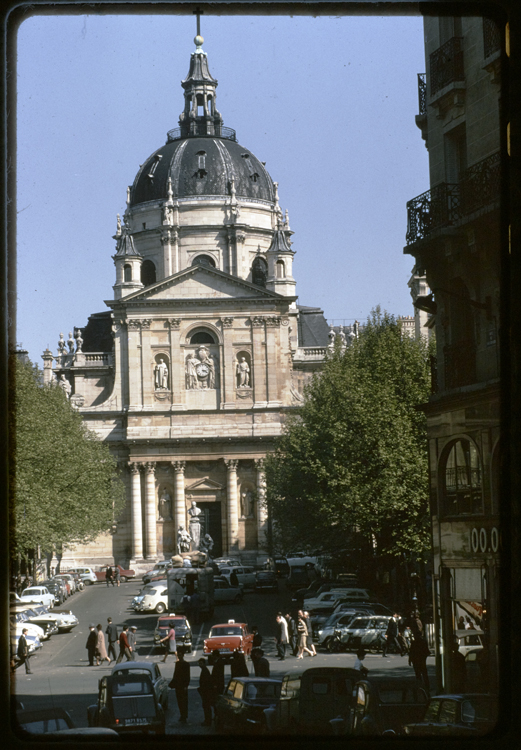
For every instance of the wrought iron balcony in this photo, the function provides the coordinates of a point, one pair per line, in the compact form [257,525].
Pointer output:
[491,37]
[447,203]
[422,93]
[460,364]
[202,129]
[446,64]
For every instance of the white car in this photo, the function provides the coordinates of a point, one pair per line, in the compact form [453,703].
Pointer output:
[245,576]
[33,643]
[70,580]
[469,641]
[86,574]
[38,594]
[326,601]
[152,599]
[18,623]
[67,618]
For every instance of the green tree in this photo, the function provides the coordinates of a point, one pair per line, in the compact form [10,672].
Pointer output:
[64,482]
[353,461]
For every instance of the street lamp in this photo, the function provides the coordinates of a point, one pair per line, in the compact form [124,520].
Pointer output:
[415,580]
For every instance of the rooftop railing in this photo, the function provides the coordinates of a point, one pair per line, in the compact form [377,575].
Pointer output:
[202,129]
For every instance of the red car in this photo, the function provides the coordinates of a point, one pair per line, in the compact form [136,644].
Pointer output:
[125,575]
[229,637]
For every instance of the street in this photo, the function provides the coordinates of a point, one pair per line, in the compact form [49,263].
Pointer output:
[62,675]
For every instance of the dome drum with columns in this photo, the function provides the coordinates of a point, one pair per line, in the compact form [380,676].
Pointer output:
[203,349]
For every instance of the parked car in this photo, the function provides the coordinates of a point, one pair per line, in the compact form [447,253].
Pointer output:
[386,705]
[374,608]
[78,580]
[266,580]
[151,669]
[39,615]
[127,701]
[124,573]
[183,631]
[300,573]
[54,587]
[278,565]
[68,581]
[323,634]
[460,715]
[245,576]
[224,593]
[18,621]
[469,641]
[365,631]
[33,642]
[311,698]
[309,591]
[56,723]
[13,597]
[158,570]
[152,600]
[87,575]
[38,594]
[64,585]
[324,602]
[64,622]
[68,618]
[227,638]
[228,561]
[318,620]
[244,701]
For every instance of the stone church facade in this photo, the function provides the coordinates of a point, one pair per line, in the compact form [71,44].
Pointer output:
[203,350]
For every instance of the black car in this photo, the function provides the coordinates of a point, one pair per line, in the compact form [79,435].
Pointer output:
[461,715]
[128,704]
[313,588]
[266,580]
[54,723]
[386,705]
[244,701]
[56,588]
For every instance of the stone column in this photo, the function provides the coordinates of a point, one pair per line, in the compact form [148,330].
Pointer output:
[150,509]
[137,532]
[232,503]
[262,513]
[179,495]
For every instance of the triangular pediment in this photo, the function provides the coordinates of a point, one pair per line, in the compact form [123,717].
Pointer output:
[204,484]
[204,283]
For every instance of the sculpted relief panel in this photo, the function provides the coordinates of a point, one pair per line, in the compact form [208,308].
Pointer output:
[201,369]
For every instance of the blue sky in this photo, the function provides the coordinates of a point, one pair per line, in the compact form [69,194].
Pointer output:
[327,103]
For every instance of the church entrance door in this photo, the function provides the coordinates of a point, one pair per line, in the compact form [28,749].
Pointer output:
[211,524]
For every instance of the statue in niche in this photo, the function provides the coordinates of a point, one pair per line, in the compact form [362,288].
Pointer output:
[200,371]
[161,375]
[247,504]
[195,524]
[183,540]
[206,544]
[65,385]
[165,506]
[243,373]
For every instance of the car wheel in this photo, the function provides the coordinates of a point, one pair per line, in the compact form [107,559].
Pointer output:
[160,608]
[238,599]
[124,579]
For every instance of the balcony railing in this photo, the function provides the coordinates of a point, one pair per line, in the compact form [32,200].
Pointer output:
[447,203]
[201,129]
[422,93]
[491,37]
[446,64]
[460,364]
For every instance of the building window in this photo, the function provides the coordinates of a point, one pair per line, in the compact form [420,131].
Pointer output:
[203,260]
[455,145]
[259,272]
[279,269]
[202,337]
[127,272]
[148,273]
[462,480]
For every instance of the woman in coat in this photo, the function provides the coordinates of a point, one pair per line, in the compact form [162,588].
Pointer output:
[101,651]
[302,637]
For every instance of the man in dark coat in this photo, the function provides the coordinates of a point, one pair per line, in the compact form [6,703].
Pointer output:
[257,637]
[292,634]
[180,682]
[92,642]
[22,652]
[113,637]
[217,672]
[108,576]
[418,653]
[132,641]
[391,636]
[238,666]
[206,691]
[261,665]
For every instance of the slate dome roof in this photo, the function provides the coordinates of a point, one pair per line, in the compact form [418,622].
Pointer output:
[202,165]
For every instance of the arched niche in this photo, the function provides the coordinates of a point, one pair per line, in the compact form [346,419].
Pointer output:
[161,372]
[243,369]
[148,273]
[204,260]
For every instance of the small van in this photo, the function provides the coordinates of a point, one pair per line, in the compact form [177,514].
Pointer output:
[86,574]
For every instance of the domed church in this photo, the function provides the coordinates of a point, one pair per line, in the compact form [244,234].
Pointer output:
[203,349]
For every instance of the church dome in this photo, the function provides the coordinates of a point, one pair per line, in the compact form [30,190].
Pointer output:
[202,165]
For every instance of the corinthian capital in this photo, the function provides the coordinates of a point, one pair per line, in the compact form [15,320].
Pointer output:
[179,466]
[231,463]
[150,467]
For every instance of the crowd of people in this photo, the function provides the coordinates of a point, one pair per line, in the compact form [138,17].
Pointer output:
[99,651]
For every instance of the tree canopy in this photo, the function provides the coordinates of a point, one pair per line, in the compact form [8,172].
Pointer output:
[353,460]
[65,487]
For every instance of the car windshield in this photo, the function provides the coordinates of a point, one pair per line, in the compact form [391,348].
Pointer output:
[225,630]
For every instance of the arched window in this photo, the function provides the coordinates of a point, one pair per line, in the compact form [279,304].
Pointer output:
[259,272]
[203,260]
[280,270]
[202,337]
[127,272]
[462,480]
[148,273]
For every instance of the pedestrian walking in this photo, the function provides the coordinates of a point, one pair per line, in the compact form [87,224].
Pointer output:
[391,636]
[404,648]
[101,650]
[116,576]
[108,576]
[217,662]
[282,636]
[206,691]
[416,625]
[261,665]
[257,637]
[302,636]
[292,634]
[132,640]
[359,662]
[112,634]
[92,642]
[238,666]
[309,638]
[124,646]
[180,682]
[418,653]
[169,641]
[22,652]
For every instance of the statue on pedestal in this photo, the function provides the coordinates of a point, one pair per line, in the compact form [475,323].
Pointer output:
[65,385]
[183,540]
[247,504]
[206,544]
[161,375]
[243,373]
[165,506]
[195,525]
